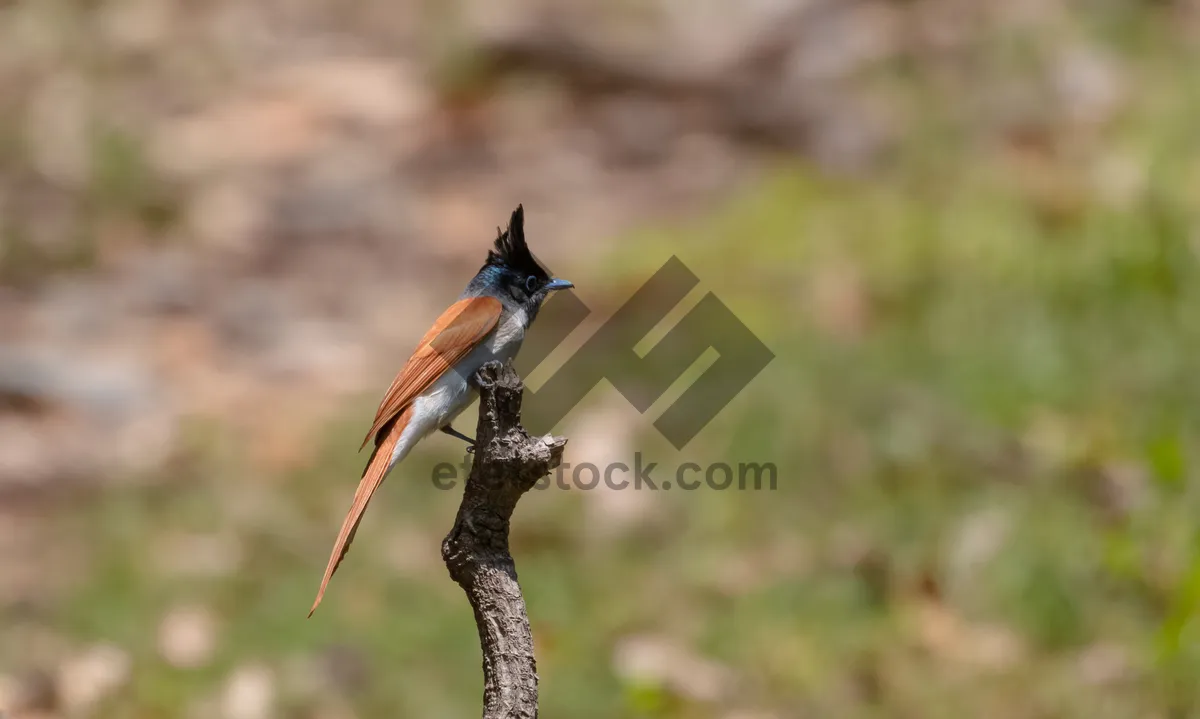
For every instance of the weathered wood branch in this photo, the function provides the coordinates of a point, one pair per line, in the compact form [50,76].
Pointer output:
[508,462]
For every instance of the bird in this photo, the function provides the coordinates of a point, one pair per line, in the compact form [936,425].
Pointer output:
[487,322]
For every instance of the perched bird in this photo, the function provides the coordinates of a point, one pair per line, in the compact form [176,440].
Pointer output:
[488,322]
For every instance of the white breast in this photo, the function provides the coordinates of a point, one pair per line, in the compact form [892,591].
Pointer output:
[508,335]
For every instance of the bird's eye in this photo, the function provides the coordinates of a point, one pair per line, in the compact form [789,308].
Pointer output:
[530,283]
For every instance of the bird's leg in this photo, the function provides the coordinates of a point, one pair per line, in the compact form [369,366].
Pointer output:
[455,433]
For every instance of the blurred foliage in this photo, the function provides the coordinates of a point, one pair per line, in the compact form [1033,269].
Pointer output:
[982,406]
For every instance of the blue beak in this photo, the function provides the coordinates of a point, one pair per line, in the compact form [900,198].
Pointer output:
[557,284]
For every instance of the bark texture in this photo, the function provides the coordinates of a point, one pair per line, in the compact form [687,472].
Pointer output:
[508,462]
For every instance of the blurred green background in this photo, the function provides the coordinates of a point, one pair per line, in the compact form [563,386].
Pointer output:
[968,232]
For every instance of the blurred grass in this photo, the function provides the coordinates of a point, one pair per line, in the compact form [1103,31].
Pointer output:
[992,349]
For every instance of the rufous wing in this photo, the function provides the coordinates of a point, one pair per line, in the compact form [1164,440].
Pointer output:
[452,337]
[458,331]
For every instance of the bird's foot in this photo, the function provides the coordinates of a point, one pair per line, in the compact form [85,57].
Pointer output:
[455,433]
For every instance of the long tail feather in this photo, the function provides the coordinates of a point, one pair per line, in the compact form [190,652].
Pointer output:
[373,475]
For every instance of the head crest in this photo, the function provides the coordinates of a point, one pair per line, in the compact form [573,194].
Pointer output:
[512,252]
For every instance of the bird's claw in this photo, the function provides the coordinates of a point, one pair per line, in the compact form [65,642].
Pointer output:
[455,433]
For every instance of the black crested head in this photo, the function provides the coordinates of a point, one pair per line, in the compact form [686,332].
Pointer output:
[511,251]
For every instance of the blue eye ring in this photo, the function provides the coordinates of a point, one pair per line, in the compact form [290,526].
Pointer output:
[530,283]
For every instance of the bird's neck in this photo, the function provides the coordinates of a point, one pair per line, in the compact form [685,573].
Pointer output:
[486,284]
